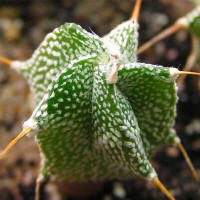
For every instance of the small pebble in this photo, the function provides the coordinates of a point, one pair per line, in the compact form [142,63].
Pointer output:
[118,190]
[193,127]
[172,152]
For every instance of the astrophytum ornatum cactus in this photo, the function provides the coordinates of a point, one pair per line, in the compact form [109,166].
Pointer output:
[89,127]
[99,113]
[84,123]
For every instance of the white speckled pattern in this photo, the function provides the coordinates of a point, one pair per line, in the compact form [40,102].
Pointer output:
[90,126]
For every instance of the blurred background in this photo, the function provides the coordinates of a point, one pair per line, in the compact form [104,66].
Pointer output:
[24,24]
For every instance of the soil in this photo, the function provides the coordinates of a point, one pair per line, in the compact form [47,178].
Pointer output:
[23,25]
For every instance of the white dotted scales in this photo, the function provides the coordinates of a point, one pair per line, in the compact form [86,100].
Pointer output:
[100,113]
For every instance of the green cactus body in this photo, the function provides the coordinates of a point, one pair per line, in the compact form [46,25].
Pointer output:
[65,44]
[97,131]
[125,38]
[152,95]
[88,125]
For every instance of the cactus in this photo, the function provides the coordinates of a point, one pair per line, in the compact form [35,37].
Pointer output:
[99,113]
